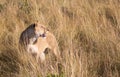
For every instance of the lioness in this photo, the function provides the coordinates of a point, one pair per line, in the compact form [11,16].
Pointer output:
[36,38]
[47,40]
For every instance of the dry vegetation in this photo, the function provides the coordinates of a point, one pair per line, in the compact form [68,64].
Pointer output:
[88,33]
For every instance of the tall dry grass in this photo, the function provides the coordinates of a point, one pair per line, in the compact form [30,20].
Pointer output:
[88,33]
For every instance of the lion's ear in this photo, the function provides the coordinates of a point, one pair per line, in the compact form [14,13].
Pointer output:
[44,27]
[34,25]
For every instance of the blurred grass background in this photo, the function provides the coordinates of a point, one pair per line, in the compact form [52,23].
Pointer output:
[88,33]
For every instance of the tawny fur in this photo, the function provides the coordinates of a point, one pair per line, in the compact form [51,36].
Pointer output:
[49,41]
[53,44]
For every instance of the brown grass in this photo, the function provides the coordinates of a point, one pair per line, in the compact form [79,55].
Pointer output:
[88,33]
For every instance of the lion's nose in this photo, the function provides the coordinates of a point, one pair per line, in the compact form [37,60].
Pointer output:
[43,35]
